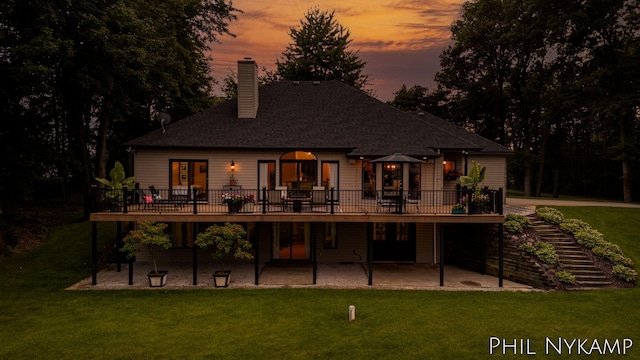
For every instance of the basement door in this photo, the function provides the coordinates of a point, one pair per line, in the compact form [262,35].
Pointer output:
[394,242]
[291,241]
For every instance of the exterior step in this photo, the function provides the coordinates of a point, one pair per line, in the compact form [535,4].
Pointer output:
[571,256]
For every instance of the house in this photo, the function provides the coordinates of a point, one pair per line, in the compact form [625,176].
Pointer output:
[334,174]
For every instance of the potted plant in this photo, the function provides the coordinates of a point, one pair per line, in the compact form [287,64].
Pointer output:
[474,180]
[115,185]
[151,235]
[458,208]
[234,201]
[227,238]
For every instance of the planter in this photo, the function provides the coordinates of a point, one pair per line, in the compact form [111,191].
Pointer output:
[478,209]
[458,211]
[234,207]
[158,279]
[221,278]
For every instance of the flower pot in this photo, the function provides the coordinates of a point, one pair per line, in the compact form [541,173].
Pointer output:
[158,279]
[221,278]
[234,207]
[477,208]
[458,211]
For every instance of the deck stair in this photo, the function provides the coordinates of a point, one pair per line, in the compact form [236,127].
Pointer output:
[571,256]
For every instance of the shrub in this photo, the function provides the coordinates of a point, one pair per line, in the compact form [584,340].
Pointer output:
[565,277]
[529,249]
[624,273]
[550,215]
[517,222]
[513,227]
[612,253]
[544,251]
[589,238]
[572,226]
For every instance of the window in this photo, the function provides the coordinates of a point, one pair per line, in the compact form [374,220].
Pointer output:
[391,232]
[449,170]
[414,181]
[291,241]
[330,236]
[392,179]
[298,170]
[266,175]
[368,179]
[187,175]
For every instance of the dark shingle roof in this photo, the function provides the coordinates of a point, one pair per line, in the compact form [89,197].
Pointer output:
[312,116]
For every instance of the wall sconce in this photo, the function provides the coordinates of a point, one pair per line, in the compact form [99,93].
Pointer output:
[232,166]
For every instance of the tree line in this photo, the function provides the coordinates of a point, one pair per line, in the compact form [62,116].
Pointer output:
[558,82]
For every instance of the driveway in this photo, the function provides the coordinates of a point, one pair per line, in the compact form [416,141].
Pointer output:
[520,202]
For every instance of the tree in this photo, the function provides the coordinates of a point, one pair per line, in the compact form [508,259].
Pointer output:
[412,99]
[320,52]
[105,69]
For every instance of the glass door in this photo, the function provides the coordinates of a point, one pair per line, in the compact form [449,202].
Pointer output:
[291,241]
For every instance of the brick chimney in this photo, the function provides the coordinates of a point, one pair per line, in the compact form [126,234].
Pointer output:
[247,89]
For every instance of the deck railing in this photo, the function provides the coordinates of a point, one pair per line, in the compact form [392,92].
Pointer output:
[331,201]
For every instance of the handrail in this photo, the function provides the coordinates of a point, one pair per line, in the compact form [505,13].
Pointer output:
[265,201]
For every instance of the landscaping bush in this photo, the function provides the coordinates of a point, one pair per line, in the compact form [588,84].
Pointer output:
[613,253]
[624,273]
[516,223]
[565,277]
[572,226]
[589,238]
[550,215]
[513,227]
[544,251]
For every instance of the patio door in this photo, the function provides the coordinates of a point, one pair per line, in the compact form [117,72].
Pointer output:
[291,241]
[394,242]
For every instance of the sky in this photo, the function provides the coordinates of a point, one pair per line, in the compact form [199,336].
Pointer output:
[399,40]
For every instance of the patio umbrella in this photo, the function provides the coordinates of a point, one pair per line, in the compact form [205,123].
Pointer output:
[398,159]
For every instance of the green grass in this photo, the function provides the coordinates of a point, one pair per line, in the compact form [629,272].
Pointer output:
[41,320]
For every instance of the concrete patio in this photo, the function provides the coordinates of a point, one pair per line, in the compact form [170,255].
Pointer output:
[338,276]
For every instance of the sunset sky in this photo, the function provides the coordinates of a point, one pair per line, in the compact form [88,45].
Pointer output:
[399,40]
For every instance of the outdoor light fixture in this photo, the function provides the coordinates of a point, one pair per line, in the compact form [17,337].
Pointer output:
[232,166]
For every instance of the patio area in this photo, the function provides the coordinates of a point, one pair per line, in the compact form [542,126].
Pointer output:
[329,275]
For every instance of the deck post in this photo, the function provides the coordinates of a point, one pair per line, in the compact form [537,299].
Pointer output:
[441,235]
[331,198]
[313,251]
[131,272]
[264,204]
[195,254]
[195,201]
[370,251]
[257,256]
[125,207]
[94,253]
[118,245]
[500,253]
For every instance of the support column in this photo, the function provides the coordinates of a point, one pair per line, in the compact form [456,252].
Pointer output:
[194,231]
[313,251]
[370,251]
[257,256]
[441,235]
[500,254]
[94,253]
[118,245]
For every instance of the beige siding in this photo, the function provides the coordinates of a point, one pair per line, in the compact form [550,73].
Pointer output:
[424,243]
[352,244]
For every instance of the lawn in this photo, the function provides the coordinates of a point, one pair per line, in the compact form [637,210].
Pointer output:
[39,319]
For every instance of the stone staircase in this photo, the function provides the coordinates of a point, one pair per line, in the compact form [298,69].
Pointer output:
[571,256]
